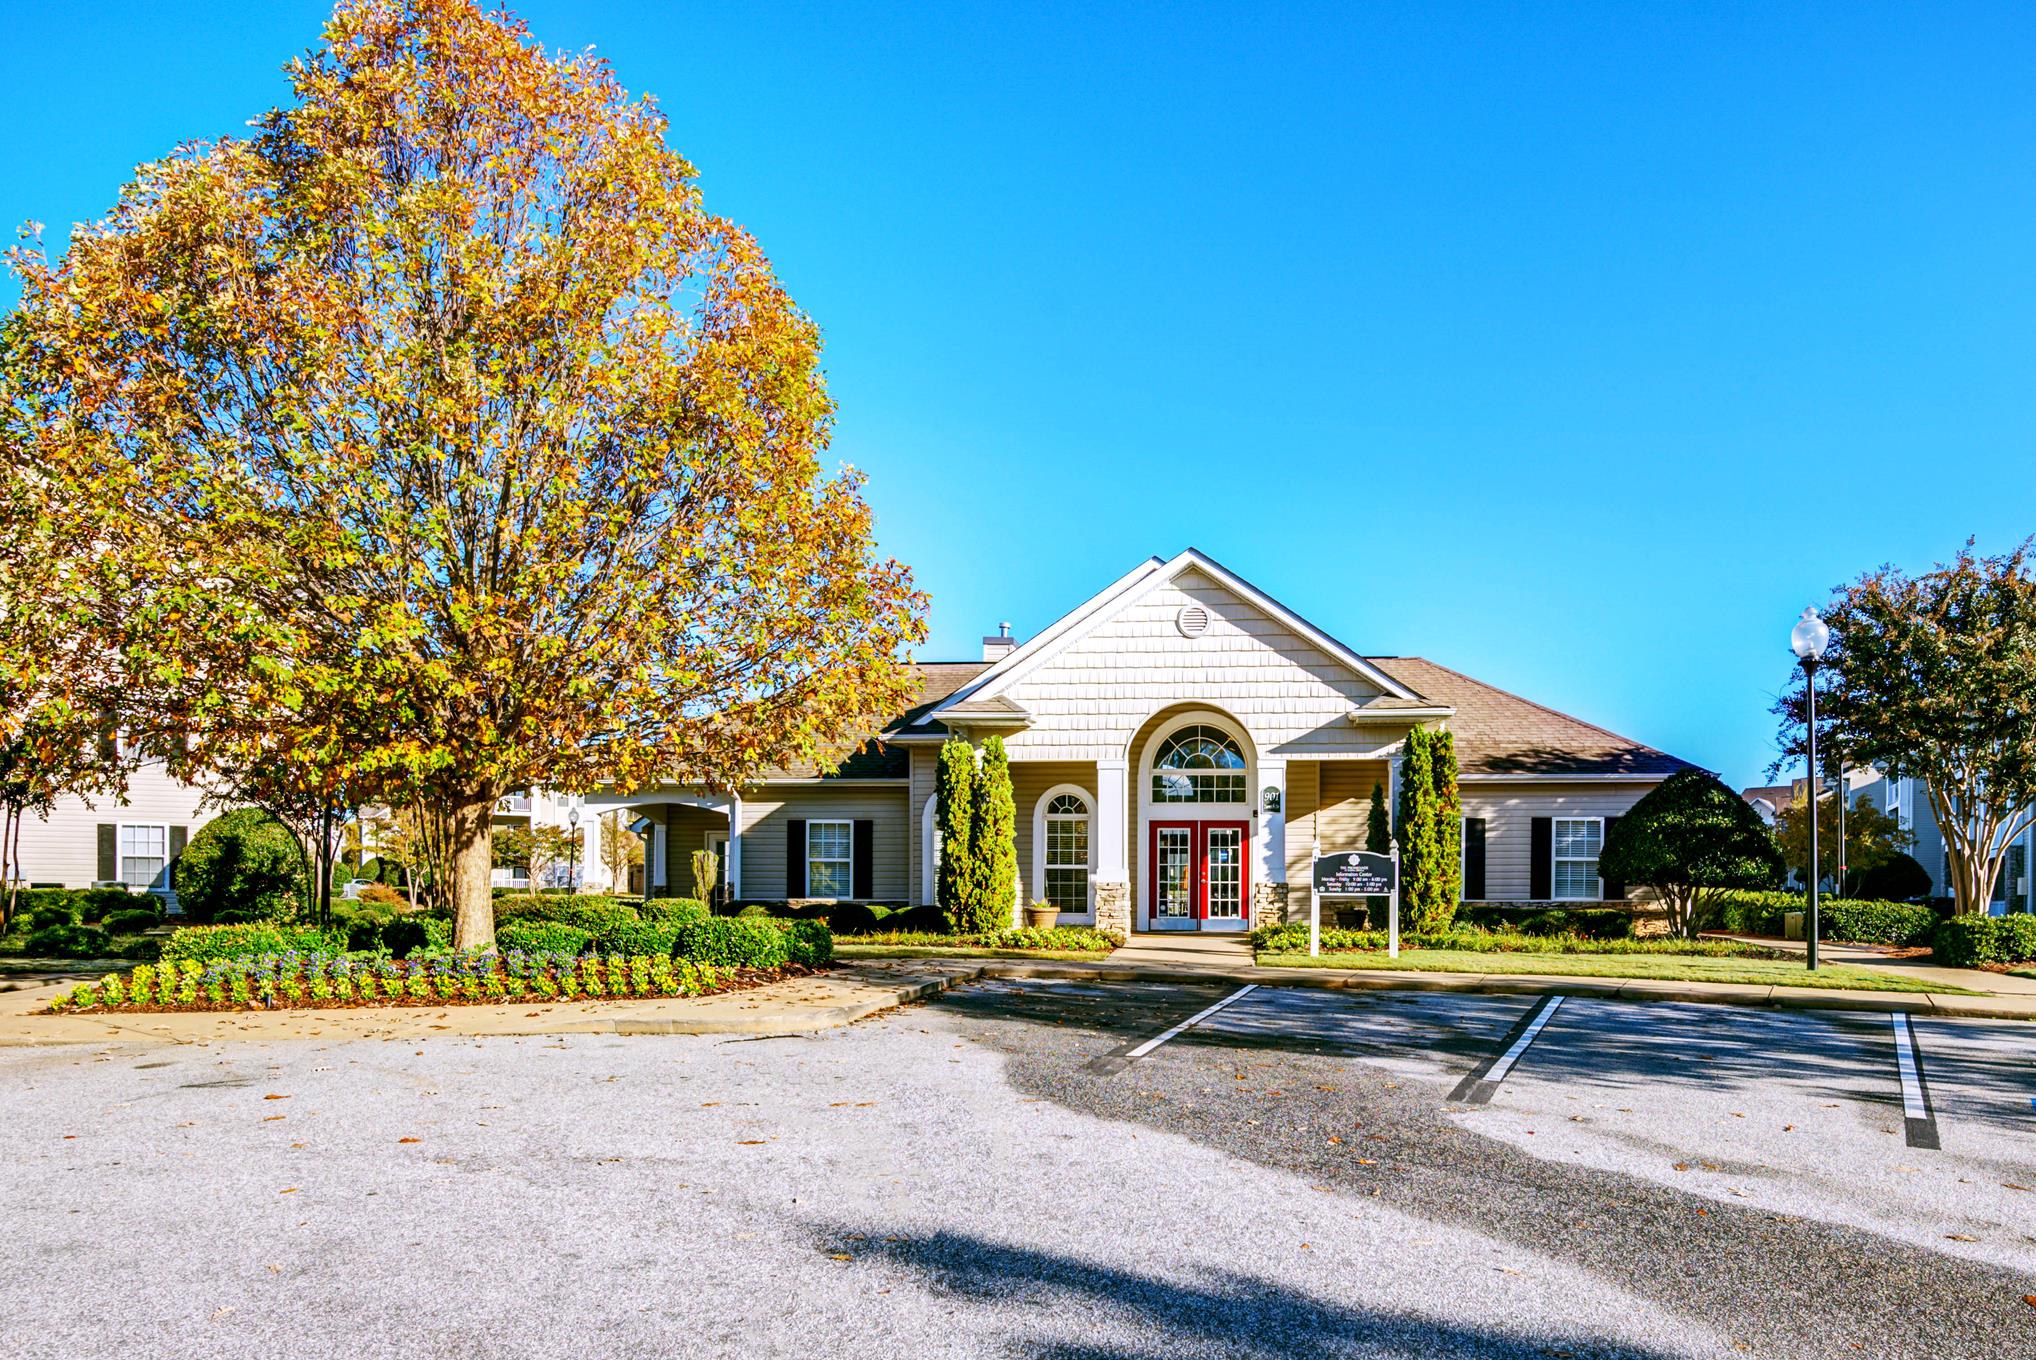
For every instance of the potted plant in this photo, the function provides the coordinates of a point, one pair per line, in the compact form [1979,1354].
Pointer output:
[1042,916]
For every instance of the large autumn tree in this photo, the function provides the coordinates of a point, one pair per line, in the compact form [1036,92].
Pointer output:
[448,445]
[1933,677]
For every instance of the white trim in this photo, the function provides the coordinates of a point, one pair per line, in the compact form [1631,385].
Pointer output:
[1039,865]
[1085,619]
[120,856]
[1246,811]
[1555,859]
[807,893]
[929,848]
[716,842]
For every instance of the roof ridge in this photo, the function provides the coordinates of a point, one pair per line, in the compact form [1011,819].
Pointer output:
[1535,704]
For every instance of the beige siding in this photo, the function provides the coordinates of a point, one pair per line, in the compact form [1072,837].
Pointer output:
[1344,815]
[1029,782]
[1090,698]
[766,811]
[1509,811]
[686,829]
[1304,781]
[65,848]
[925,769]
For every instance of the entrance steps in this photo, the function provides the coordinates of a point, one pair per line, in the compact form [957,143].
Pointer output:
[1186,949]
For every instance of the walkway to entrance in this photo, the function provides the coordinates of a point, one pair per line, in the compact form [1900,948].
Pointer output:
[1170,949]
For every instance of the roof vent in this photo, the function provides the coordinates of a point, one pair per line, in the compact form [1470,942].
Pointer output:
[1193,620]
[1000,644]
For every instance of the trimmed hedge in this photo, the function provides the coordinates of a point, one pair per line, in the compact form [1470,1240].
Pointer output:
[205,944]
[242,866]
[69,906]
[673,910]
[1591,923]
[132,921]
[539,937]
[638,937]
[68,941]
[809,942]
[733,942]
[1292,938]
[857,918]
[1838,918]
[1968,941]
[595,915]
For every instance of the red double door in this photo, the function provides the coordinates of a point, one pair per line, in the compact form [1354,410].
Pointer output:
[1198,875]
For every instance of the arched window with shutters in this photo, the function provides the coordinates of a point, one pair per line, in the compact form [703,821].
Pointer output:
[1199,763]
[1063,843]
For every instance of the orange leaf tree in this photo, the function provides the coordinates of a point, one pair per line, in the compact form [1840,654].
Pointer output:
[448,445]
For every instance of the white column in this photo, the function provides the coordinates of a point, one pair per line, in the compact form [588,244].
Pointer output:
[1272,841]
[1393,793]
[657,855]
[1113,812]
[735,846]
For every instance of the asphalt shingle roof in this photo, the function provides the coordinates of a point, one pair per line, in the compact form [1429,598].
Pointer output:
[1498,732]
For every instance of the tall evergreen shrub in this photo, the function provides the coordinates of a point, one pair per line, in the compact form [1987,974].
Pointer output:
[954,814]
[994,842]
[1430,823]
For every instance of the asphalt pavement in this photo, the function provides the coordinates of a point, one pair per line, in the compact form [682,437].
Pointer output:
[1051,1169]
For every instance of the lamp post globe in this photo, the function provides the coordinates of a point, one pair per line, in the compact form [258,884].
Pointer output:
[1808,640]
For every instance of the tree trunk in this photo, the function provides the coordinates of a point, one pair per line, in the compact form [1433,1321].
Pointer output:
[10,864]
[471,833]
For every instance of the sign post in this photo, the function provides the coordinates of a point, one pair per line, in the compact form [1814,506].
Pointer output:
[1356,873]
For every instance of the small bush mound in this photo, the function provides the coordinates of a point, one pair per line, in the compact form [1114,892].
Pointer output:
[672,910]
[68,941]
[808,942]
[243,866]
[132,921]
[535,937]
[640,937]
[1838,918]
[1593,923]
[71,906]
[248,940]
[1077,939]
[733,942]
[1969,941]
[596,915]
[856,918]
[51,914]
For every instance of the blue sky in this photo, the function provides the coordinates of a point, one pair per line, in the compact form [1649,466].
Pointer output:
[1577,347]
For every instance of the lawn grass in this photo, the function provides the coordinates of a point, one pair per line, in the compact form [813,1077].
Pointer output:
[848,949]
[1668,967]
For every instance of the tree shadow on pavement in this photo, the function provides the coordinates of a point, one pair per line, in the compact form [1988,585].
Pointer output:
[1243,1316]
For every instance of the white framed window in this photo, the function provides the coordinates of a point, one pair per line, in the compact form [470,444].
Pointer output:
[1577,842]
[1199,764]
[144,853]
[1067,853]
[830,859]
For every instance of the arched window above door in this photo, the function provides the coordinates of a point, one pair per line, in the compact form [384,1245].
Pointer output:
[1199,764]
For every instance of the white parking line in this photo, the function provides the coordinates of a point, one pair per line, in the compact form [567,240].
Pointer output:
[1512,1055]
[1918,1120]
[1190,1022]
[1477,1088]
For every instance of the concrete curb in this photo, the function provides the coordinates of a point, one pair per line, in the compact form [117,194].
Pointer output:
[1518,984]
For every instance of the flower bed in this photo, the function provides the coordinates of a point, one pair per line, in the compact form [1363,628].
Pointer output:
[326,980]
[1061,939]
[1293,938]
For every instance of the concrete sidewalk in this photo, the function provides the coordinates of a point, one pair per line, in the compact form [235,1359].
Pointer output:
[853,991]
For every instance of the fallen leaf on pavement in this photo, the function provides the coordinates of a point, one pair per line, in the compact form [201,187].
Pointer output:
[419,1140]
[273,1096]
[287,1190]
[749,1142]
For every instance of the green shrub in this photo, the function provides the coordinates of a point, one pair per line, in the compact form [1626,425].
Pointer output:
[1838,918]
[752,910]
[61,906]
[1593,923]
[856,918]
[251,939]
[401,936]
[1293,938]
[132,921]
[640,937]
[733,942]
[927,916]
[68,941]
[597,916]
[672,910]
[52,914]
[541,937]
[1968,941]
[1084,939]
[242,866]
[807,942]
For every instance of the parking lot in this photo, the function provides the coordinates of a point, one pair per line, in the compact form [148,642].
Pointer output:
[1049,1169]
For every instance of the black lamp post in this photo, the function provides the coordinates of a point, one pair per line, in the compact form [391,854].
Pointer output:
[573,869]
[1808,639]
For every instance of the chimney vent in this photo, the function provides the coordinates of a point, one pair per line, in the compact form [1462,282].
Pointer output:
[999,644]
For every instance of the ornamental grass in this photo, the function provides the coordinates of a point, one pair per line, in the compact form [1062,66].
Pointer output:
[284,980]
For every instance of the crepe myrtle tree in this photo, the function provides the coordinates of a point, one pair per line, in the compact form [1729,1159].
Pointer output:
[1691,839]
[439,439]
[1933,678]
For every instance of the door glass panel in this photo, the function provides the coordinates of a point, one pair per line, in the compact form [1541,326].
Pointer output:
[1226,873]
[1173,877]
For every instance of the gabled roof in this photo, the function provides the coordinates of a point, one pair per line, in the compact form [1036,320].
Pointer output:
[1501,735]
[1141,580]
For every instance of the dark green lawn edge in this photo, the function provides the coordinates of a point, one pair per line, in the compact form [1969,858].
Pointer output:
[1622,967]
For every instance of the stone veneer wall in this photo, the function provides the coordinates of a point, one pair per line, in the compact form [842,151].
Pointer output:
[1268,904]
[1113,908]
